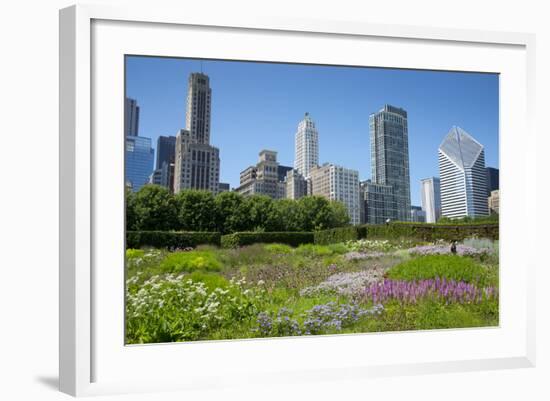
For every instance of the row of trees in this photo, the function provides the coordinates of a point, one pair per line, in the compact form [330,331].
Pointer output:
[154,208]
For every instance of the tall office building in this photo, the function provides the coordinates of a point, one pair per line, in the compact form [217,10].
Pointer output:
[296,185]
[378,203]
[282,171]
[263,178]
[131,117]
[339,184]
[492,179]
[166,150]
[463,176]
[494,201]
[197,163]
[139,161]
[199,100]
[306,146]
[417,214]
[389,142]
[430,193]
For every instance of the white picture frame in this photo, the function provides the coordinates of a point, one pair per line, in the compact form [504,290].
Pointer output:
[94,361]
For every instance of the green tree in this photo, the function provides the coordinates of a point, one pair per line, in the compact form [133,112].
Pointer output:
[196,210]
[339,214]
[262,214]
[131,217]
[154,208]
[286,215]
[231,212]
[315,213]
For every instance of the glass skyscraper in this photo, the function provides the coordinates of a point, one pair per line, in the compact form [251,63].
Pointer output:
[139,161]
[462,175]
[131,117]
[389,144]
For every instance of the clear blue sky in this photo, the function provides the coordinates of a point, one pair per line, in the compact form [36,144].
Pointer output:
[259,105]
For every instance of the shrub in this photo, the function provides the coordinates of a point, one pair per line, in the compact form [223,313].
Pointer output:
[170,239]
[190,261]
[450,267]
[432,232]
[247,238]
[278,248]
[320,250]
[134,253]
[341,234]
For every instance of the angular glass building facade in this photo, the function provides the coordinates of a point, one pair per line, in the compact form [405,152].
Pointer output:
[389,144]
[462,175]
[139,161]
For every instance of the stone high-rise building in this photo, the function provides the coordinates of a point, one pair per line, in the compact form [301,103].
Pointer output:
[263,178]
[462,175]
[339,184]
[389,144]
[306,146]
[296,185]
[197,163]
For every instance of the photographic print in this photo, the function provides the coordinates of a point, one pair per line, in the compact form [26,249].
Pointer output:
[276,199]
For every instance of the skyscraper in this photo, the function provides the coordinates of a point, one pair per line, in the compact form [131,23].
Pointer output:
[139,161]
[378,202]
[463,176]
[389,142]
[199,100]
[197,163]
[417,214]
[131,117]
[296,185]
[492,179]
[306,146]
[263,178]
[166,150]
[339,184]
[430,192]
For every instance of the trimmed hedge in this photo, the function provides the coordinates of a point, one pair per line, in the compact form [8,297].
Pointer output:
[282,237]
[170,239]
[432,232]
[342,234]
[426,232]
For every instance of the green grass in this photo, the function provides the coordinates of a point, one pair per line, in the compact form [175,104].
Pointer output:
[451,267]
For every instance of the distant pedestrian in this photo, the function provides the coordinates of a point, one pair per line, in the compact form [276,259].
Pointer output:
[453,247]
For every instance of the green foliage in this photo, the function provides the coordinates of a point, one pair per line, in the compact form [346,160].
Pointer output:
[432,232]
[451,267]
[278,248]
[247,238]
[261,213]
[317,213]
[313,250]
[341,234]
[210,280]
[287,213]
[493,218]
[177,308]
[170,239]
[196,210]
[190,261]
[151,208]
[134,253]
[231,212]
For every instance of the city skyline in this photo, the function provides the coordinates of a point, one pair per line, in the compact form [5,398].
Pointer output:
[262,125]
